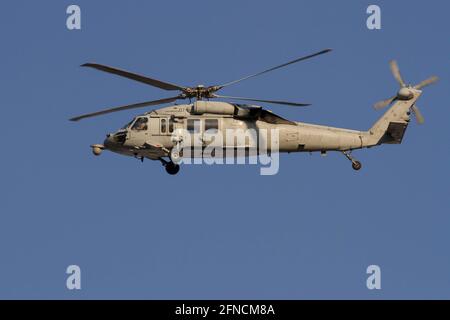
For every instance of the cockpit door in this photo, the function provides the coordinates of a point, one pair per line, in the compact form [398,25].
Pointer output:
[161,130]
[139,130]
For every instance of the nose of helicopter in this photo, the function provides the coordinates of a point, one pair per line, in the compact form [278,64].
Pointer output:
[115,140]
[109,141]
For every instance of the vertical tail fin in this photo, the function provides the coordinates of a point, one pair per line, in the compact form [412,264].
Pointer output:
[391,127]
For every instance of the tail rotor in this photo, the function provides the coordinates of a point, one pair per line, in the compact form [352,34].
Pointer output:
[405,93]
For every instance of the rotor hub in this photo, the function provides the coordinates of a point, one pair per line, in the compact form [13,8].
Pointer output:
[200,92]
[405,94]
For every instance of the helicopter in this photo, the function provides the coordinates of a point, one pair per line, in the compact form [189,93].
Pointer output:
[155,135]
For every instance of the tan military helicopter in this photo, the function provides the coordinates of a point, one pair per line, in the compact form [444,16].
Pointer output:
[153,135]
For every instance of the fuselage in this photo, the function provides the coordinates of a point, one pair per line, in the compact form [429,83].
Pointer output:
[237,127]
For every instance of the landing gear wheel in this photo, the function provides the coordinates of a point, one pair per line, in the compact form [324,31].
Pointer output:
[172,168]
[356,165]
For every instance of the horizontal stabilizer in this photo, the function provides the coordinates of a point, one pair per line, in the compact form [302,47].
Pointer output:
[395,132]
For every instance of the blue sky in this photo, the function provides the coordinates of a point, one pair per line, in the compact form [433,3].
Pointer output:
[219,232]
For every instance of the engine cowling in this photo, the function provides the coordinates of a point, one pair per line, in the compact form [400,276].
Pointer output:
[213,107]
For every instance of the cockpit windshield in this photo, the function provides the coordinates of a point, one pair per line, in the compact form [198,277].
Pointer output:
[128,124]
[140,124]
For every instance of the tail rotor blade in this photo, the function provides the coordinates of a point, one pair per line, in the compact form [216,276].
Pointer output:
[396,72]
[426,82]
[419,117]
[384,103]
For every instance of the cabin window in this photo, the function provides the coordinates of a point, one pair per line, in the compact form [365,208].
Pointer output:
[170,125]
[140,124]
[212,125]
[193,125]
[163,126]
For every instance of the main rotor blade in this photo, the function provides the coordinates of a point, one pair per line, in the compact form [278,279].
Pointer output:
[127,107]
[384,103]
[419,117]
[266,101]
[396,72]
[133,76]
[274,68]
[426,82]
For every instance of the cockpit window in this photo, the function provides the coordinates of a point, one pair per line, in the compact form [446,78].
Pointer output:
[140,124]
[171,125]
[128,124]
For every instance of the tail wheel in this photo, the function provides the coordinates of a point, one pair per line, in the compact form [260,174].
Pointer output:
[356,165]
[172,168]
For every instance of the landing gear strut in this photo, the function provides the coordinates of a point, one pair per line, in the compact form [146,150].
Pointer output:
[171,167]
[356,165]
